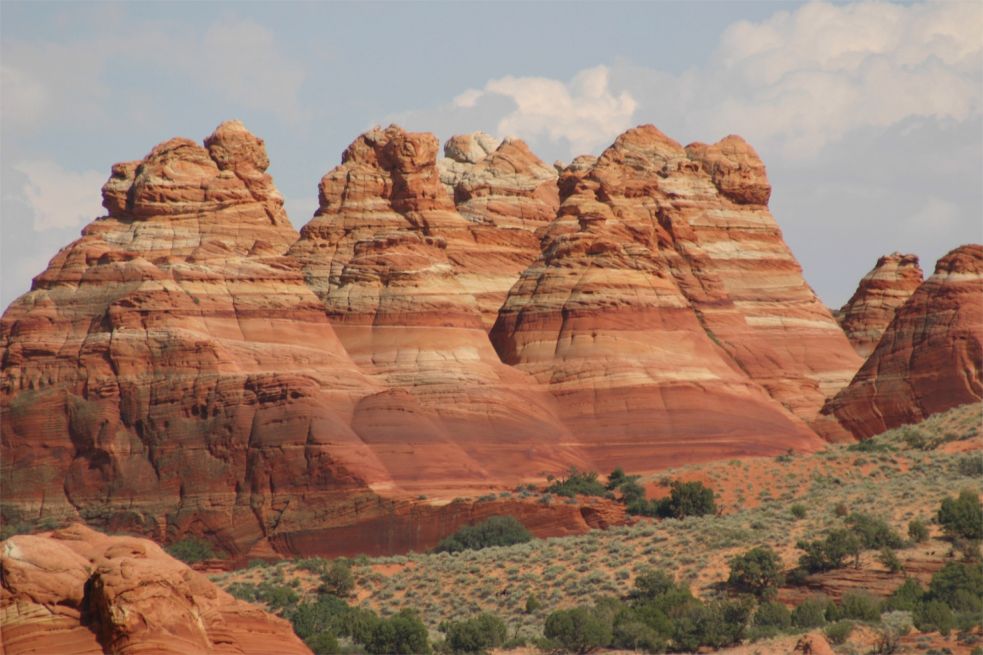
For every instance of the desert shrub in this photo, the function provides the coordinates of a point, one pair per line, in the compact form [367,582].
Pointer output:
[971,466]
[631,631]
[475,635]
[400,634]
[191,550]
[773,615]
[811,613]
[337,579]
[714,625]
[873,531]
[959,585]
[934,615]
[326,614]
[917,531]
[758,572]
[533,604]
[578,629]
[840,509]
[798,510]
[583,483]
[962,516]
[495,531]
[890,560]
[650,585]
[828,553]
[894,626]
[860,606]
[687,499]
[839,632]
[906,597]
[323,643]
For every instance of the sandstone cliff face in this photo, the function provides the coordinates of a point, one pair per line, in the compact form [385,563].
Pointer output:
[636,319]
[386,252]
[171,370]
[929,359]
[78,591]
[878,296]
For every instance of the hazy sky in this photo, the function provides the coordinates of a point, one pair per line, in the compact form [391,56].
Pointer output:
[867,115]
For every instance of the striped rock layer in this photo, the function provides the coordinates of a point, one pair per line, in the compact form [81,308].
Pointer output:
[878,296]
[442,325]
[929,359]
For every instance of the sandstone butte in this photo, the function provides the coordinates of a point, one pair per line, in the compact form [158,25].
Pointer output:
[929,359]
[193,365]
[78,591]
[870,309]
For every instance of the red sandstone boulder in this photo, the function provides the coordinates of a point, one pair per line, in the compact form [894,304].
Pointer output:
[871,308]
[929,359]
[75,590]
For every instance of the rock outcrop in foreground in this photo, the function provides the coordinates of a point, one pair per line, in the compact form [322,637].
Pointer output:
[442,327]
[878,296]
[75,590]
[930,357]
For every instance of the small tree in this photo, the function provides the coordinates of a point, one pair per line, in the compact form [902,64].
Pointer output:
[934,615]
[495,531]
[191,550]
[890,560]
[962,516]
[338,580]
[811,613]
[917,531]
[401,634]
[578,629]
[533,604]
[860,606]
[758,572]
[687,499]
[475,635]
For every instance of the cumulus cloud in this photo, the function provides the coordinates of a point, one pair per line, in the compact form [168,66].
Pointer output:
[58,198]
[583,112]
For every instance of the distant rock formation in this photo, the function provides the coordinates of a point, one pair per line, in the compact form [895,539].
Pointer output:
[929,359]
[878,296]
[75,590]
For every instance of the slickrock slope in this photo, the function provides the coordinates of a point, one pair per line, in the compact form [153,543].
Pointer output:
[635,316]
[929,359]
[78,591]
[507,193]
[885,288]
[386,252]
[171,371]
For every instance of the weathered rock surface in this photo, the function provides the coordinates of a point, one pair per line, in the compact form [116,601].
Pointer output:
[929,359]
[663,304]
[75,590]
[170,371]
[878,296]
[386,253]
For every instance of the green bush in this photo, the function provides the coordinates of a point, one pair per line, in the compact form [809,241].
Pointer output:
[632,632]
[578,629]
[828,553]
[962,516]
[338,580]
[323,643]
[714,625]
[495,531]
[811,613]
[959,585]
[475,635]
[934,615]
[917,531]
[758,572]
[860,606]
[687,499]
[971,466]
[401,634]
[533,604]
[773,615]
[906,597]
[326,614]
[191,550]
[583,483]
[873,532]
[798,510]
[839,632]
[890,560]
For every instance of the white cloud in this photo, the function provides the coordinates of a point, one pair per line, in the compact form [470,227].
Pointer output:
[58,198]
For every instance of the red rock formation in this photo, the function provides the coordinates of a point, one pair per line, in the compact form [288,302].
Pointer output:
[386,252]
[929,358]
[78,591]
[171,371]
[629,320]
[869,311]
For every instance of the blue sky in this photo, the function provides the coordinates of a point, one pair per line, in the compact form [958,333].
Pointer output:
[867,115]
